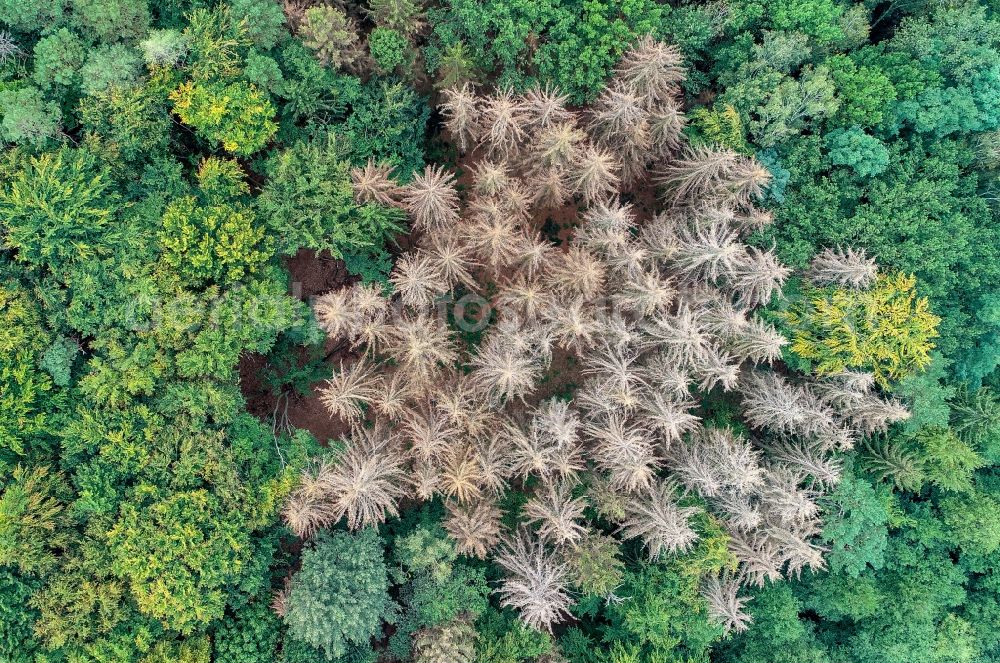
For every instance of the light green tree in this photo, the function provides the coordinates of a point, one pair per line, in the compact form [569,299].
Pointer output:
[339,597]
[28,118]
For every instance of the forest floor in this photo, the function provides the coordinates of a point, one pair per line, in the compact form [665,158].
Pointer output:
[310,275]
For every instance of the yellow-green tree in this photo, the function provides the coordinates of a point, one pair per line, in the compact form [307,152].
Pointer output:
[886,329]
[213,237]
[721,125]
[27,398]
[238,115]
[222,107]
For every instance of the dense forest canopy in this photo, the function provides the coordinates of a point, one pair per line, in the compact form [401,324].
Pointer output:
[494,331]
